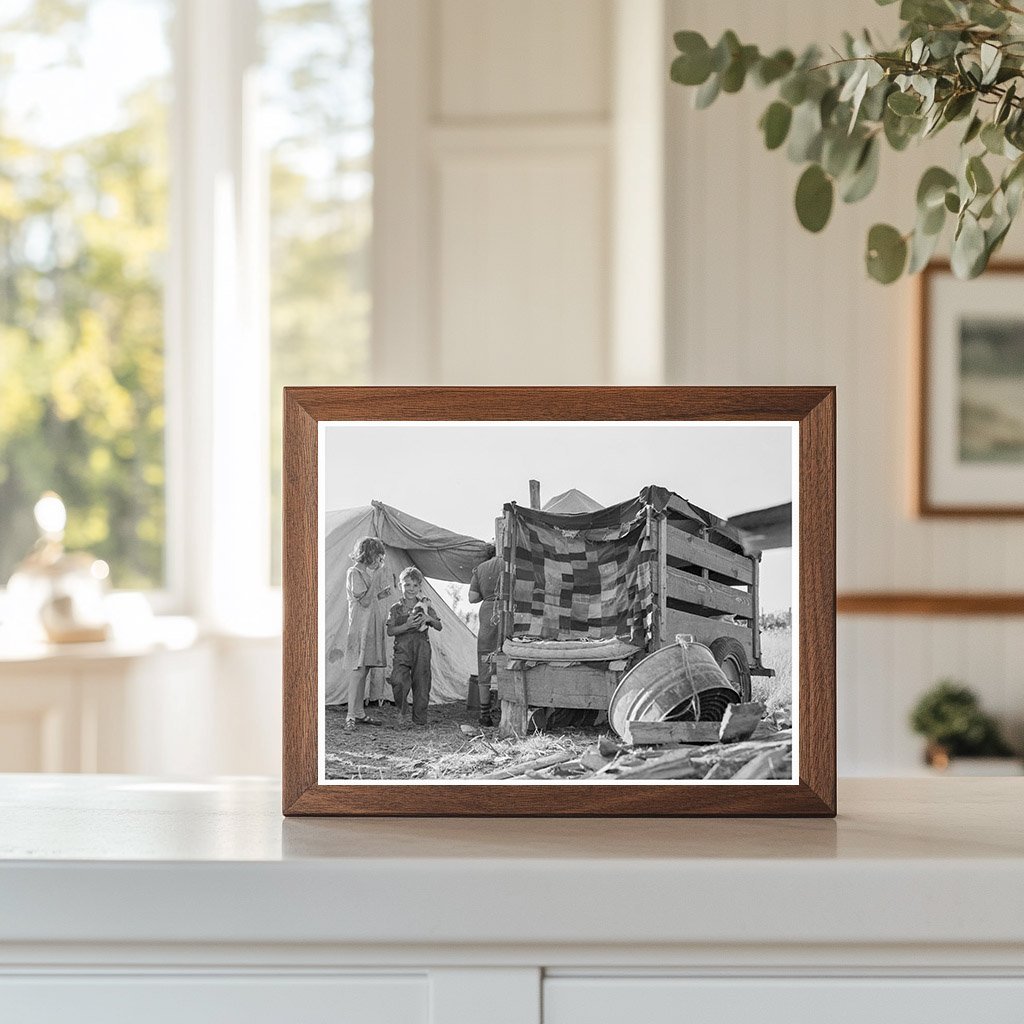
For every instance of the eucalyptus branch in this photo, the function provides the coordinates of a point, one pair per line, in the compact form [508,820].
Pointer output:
[833,117]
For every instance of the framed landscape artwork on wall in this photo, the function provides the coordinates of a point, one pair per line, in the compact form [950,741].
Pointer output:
[559,601]
[970,444]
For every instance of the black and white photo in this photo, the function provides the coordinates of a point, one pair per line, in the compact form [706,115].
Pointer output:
[581,602]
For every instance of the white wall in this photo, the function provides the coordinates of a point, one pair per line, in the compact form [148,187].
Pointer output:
[754,299]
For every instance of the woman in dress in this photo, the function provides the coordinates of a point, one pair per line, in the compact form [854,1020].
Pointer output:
[365,645]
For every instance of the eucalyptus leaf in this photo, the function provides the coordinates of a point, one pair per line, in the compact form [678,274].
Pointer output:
[814,195]
[886,253]
[958,105]
[865,173]
[931,190]
[775,124]
[993,138]
[1005,105]
[973,130]
[968,247]
[952,202]
[900,130]
[735,74]
[978,176]
[707,93]
[922,248]
[932,221]
[1013,191]
[725,49]
[840,152]
[805,133]
[771,69]
[794,88]
[904,103]
[873,106]
[987,15]
[991,60]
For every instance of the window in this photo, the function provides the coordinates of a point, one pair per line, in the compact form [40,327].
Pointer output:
[317,121]
[83,237]
[185,223]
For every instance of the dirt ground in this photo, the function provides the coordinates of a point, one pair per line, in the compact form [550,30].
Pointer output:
[442,750]
[439,750]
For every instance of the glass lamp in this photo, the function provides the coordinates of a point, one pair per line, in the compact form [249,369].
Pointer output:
[55,595]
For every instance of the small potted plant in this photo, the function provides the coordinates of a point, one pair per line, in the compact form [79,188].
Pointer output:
[950,718]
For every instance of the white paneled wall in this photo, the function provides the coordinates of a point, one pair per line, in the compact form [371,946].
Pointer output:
[506,240]
[754,299]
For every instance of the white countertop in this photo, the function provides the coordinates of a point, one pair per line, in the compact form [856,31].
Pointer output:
[121,859]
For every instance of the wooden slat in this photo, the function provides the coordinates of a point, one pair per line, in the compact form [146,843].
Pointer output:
[731,538]
[684,586]
[704,630]
[655,734]
[580,686]
[701,552]
[663,734]
[740,721]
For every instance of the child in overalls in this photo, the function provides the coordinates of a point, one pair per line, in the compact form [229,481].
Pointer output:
[409,621]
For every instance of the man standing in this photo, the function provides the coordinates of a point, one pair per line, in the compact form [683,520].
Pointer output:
[483,587]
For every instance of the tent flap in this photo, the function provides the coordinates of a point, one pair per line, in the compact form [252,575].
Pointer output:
[436,552]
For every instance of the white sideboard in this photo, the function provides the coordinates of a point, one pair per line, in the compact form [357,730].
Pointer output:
[125,898]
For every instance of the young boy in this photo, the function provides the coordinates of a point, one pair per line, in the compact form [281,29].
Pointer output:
[407,620]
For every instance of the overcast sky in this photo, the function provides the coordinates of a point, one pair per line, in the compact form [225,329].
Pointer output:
[459,475]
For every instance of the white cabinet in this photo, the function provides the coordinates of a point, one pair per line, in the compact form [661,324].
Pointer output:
[824,1000]
[126,899]
[202,999]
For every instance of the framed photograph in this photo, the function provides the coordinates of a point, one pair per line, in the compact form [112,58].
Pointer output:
[559,601]
[970,444]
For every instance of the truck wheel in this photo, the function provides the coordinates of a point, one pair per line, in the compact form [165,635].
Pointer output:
[732,660]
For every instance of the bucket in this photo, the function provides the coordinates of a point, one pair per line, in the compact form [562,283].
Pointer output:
[680,682]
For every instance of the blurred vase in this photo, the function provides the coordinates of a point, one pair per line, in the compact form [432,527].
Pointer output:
[56,595]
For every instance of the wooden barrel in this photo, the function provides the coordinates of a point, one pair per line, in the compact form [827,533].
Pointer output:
[680,682]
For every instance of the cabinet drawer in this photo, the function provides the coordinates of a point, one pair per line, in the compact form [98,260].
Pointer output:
[205,999]
[571,1000]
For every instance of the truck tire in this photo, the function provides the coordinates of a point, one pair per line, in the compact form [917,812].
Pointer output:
[732,660]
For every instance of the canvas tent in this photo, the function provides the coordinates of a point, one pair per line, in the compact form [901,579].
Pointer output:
[572,502]
[438,554]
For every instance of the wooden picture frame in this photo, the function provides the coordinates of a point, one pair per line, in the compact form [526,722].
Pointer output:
[947,484]
[812,792]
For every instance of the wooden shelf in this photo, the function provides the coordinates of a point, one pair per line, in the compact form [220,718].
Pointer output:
[929,603]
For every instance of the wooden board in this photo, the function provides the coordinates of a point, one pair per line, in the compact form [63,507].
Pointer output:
[701,552]
[544,686]
[716,597]
[740,721]
[722,528]
[704,630]
[653,734]
[663,734]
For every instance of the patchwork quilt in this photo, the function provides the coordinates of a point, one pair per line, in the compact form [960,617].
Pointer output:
[582,576]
